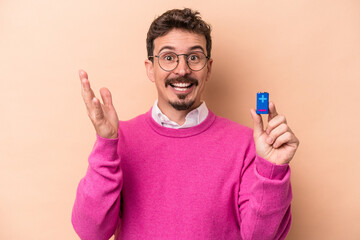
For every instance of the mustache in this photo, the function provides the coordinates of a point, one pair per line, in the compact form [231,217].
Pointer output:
[181,80]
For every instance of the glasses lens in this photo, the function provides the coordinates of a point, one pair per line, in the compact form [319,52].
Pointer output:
[168,61]
[196,60]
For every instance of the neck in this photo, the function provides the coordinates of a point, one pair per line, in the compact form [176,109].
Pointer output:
[175,115]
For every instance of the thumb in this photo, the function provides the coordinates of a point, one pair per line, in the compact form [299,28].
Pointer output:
[258,123]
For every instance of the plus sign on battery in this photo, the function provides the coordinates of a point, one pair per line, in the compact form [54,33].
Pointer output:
[262,98]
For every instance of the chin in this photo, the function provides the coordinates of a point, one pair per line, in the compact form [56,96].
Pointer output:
[182,105]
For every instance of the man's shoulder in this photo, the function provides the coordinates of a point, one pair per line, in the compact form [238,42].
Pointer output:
[139,119]
[231,126]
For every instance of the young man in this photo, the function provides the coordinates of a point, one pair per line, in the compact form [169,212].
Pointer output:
[179,171]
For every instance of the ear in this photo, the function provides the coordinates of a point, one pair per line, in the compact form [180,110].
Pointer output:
[209,67]
[149,66]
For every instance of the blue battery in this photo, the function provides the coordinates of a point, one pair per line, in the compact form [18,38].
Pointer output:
[262,103]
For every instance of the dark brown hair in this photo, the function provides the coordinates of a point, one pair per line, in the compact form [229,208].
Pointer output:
[186,19]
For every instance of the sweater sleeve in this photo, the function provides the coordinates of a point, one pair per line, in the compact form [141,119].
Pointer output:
[264,200]
[96,211]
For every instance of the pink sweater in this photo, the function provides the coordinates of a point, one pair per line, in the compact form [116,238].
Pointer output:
[204,182]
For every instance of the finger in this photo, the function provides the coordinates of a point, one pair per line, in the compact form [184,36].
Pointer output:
[275,122]
[258,123]
[276,132]
[86,91]
[82,74]
[283,139]
[272,111]
[106,97]
[85,84]
[97,113]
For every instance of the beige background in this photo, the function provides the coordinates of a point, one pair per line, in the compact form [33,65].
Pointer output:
[305,53]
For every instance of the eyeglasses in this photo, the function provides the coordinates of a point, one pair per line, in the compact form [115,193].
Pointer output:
[168,61]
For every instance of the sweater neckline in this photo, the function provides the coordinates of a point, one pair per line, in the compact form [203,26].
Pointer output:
[182,132]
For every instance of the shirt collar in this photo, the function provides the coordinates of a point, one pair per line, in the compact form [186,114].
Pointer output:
[192,119]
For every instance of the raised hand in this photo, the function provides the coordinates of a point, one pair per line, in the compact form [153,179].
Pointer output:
[277,143]
[103,116]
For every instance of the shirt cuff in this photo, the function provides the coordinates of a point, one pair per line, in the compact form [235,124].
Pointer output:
[99,138]
[270,170]
[104,150]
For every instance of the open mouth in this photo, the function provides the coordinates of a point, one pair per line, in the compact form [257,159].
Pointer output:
[181,87]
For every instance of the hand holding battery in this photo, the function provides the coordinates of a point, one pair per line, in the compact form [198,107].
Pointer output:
[277,143]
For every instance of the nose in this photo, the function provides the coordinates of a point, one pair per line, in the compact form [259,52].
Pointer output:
[182,69]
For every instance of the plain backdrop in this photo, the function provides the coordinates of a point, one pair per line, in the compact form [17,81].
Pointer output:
[305,53]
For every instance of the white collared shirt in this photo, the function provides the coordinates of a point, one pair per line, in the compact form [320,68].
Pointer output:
[192,119]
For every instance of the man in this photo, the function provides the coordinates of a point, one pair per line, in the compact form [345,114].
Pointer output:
[179,171]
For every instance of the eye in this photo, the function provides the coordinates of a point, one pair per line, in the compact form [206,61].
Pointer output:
[194,57]
[168,57]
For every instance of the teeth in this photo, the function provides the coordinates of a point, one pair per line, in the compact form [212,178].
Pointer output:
[181,85]
[180,89]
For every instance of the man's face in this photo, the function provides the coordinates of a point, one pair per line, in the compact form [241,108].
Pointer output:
[182,87]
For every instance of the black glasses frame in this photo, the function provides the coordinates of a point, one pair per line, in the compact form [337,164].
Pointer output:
[178,59]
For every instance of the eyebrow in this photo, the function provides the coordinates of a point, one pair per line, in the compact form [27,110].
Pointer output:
[166,47]
[173,49]
[197,47]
